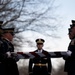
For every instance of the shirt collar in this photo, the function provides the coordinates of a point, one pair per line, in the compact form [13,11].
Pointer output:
[40,50]
[8,40]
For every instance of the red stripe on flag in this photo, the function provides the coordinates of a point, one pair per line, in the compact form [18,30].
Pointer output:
[20,53]
[35,54]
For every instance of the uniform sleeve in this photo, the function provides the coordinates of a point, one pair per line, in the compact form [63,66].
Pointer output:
[2,52]
[30,65]
[72,49]
[49,65]
[73,53]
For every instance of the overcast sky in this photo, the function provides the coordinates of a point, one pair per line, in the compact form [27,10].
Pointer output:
[65,11]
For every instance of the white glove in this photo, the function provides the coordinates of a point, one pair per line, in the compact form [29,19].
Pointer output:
[69,53]
[8,54]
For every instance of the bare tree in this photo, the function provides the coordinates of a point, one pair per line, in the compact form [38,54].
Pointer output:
[33,15]
[10,10]
[38,16]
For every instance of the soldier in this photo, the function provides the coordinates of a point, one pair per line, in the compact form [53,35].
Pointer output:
[70,60]
[40,65]
[8,65]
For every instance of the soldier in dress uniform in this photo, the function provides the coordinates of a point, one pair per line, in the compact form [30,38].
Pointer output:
[70,60]
[40,65]
[8,65]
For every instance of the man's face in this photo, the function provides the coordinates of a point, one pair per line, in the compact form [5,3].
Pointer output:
[39,46]
[9,36]
[71,35]
[73,30]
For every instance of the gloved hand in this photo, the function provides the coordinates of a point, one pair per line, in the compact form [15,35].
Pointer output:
[15,56]
[69,53]
[8,54]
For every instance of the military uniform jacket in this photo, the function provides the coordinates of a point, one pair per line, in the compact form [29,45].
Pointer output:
[8,66]
[40,69]
[70,61]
